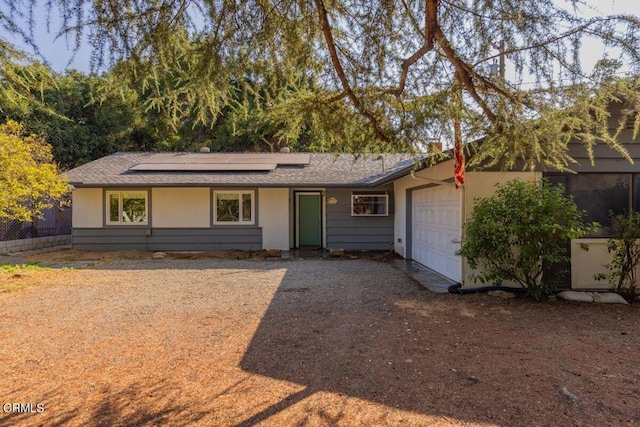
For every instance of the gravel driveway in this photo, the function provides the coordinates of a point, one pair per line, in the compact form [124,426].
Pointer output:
[306,342]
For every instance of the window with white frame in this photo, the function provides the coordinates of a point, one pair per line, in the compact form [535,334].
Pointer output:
[365,204]
[127,207]
[233,207]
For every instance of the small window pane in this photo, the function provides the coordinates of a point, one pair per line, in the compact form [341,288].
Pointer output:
[369,205]
[601,195]
[134,208]
[246,207]
[114,207]
[227,207]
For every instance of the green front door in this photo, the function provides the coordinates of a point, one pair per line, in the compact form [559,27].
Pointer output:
[309,220]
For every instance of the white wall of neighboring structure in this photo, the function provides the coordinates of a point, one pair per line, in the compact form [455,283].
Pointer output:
[87,208]
[184,207]
[273,217]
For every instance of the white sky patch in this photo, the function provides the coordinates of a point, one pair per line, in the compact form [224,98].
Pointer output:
[59,52]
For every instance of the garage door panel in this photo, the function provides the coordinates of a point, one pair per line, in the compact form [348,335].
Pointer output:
[436,229]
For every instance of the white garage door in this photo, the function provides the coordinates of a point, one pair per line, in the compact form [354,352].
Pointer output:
[436,229]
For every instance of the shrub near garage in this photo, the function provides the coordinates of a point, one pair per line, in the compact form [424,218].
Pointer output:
[514,233]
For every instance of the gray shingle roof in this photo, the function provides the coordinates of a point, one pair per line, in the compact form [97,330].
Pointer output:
[323,170]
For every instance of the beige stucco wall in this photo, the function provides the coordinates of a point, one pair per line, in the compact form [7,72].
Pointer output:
[483,184]
[273,217]
[181,207]
[87,208]
[587,263]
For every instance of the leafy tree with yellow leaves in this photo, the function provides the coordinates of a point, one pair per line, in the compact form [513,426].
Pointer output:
[29,181]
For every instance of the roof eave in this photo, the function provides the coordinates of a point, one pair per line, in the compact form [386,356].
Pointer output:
[229,185]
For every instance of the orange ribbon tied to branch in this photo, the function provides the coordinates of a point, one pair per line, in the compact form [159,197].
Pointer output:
[458,154]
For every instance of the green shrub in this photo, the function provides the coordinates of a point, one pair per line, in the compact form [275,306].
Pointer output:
[514,233]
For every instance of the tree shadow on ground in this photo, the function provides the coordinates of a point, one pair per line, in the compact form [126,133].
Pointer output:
[399,346]
[131,406]
[346,338]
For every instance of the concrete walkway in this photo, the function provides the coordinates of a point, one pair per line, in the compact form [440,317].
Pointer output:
[428,278]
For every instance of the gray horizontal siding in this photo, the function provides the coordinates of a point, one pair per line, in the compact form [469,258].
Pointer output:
[362,231]
[369,221]
[606,158]
[378,240]
[109,239]
[602,151]
[363,246]
[166,239]
[115,232]
[358,233]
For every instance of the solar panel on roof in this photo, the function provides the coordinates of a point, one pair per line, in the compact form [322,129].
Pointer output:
[217,162]
[215,158]
[207,167]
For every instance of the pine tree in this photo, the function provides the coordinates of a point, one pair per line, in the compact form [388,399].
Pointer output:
[393,71]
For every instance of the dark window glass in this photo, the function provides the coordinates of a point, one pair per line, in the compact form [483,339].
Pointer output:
[114,207]
[246,207]
[636,195]
[600,196]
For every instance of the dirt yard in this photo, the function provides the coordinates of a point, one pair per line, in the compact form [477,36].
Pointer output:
[131,341]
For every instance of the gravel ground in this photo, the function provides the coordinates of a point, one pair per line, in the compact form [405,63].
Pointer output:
[306,342]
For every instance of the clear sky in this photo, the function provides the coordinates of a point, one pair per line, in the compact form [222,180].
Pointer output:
[58,52]
[591,52]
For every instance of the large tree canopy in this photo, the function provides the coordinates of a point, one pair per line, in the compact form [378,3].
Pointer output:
[83,118]
[63,109]
[392,74]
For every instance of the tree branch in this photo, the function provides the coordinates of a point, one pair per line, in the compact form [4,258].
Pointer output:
[344,81]
[430,24]
[412,18]
[464,74]
[337,97]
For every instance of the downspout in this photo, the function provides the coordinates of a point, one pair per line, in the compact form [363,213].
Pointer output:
[463,215]
[458,289]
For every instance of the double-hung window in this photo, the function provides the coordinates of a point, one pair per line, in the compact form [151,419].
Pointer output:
[234,208]
[367,204]
[127,207]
